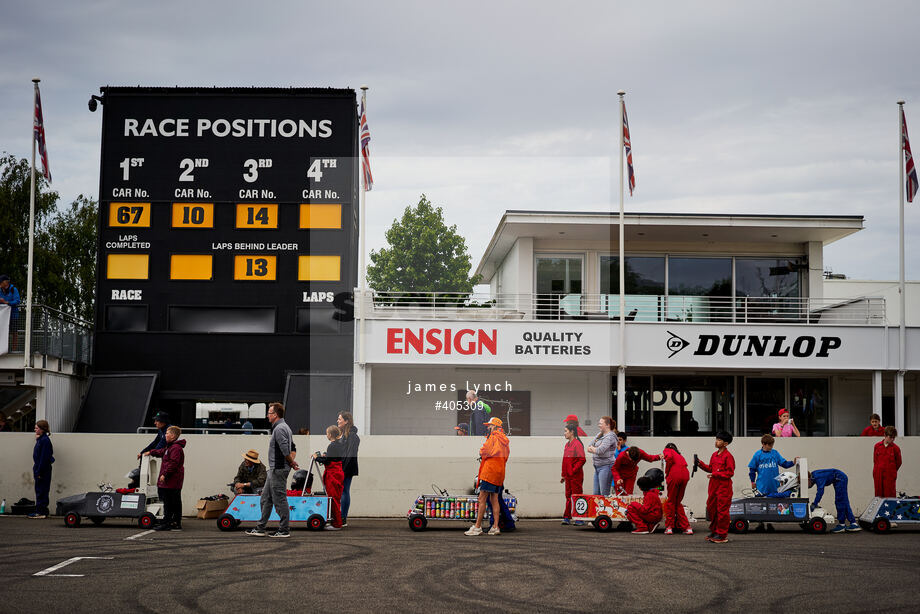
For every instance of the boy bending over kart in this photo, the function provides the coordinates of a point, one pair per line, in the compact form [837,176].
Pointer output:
[838,479]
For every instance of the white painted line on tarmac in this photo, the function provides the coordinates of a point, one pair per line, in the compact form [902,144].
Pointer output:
[141,534]
[50,570]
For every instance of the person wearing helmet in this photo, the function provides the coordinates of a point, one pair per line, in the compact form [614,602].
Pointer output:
[645,516]
[838,479]
[721,469]
[676,477]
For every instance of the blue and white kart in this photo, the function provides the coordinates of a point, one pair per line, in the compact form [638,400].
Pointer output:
[885,513]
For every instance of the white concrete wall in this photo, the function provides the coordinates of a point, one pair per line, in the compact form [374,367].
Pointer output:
[396,469]
[851,288]
[555,393]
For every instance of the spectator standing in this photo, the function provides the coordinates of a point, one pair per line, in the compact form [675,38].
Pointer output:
[494,454]
[785,427]
[346,423]
[602,448]
[280,463]
[172,476]
[9,295]
[875,428]
[334,476]
[886,460]
[42,457]
[161,421]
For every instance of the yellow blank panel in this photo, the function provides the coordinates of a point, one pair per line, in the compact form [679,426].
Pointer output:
[258,268]
[320,216]
[319,268]
[129,215]
[256,216]
[193,215]
[190,266]
[127,266]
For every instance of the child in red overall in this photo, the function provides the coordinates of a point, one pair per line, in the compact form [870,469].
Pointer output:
[573,459]
[645,516]
[626,467]
[333,477]
[676,477]
[721,468]
[886,460]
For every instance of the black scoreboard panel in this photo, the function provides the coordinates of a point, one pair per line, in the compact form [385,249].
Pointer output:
[227,238]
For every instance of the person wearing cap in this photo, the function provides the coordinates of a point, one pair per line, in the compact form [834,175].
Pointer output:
[462,429]
[250,477]
[161,421]
[573,418]
[494,454]
[479,410]
[785,427]
[9,295]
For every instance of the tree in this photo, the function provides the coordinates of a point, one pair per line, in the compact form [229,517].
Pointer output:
[424,255]
[65,241]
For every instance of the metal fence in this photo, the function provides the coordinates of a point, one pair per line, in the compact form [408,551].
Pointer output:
[639,308]
[54,333]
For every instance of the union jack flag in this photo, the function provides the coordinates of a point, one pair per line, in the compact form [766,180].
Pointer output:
[365,152]
[38,130]
[628,146]
[909,168]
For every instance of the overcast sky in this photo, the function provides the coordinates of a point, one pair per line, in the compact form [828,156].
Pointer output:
[734,107]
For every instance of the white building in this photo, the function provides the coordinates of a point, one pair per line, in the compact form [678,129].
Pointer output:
[728,318]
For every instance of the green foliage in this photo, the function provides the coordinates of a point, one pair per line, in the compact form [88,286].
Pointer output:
[425,255]
[64,247]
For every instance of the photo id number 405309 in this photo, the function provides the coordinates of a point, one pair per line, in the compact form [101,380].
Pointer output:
[457,406]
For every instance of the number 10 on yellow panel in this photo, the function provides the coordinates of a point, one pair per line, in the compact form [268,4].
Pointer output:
[193,215]
[254,268]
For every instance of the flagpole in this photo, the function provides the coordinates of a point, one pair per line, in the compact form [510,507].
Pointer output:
[899,380]
[621,371]
[27,349]
[362,225]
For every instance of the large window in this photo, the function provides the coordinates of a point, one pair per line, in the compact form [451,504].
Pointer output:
[666,405]
[644,275]
[767,277]
[559,280]
[807,402]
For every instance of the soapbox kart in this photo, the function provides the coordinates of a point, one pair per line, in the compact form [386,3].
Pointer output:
[141,503]
[444,506]
[794,507]
[312,509]
[885,513]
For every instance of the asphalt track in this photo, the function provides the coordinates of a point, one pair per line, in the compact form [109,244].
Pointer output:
[380,565]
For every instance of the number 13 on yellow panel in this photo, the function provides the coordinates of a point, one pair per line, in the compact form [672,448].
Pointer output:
[254,268]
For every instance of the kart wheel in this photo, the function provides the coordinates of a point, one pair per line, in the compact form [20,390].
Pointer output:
[97,520]
[881,525]
[817,525]
[72,519]
[603,524]
[226,522]
[146,520]
[740,525]
[316,522]
[418,523]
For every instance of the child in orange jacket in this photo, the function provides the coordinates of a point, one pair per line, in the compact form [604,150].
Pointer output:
[721,469]
[573,476]
[645,516]
[886,460]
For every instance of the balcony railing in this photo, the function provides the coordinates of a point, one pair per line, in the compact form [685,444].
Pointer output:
[54,333]
[639,308]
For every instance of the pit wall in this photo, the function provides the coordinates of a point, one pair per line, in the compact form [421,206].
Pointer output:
[396,469]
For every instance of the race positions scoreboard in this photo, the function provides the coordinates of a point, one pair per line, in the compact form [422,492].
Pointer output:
[227,243]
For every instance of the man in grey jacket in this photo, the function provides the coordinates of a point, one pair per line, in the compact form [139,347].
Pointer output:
[280,462]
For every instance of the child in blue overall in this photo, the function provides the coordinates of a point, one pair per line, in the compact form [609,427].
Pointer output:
[838,479]
[764,468]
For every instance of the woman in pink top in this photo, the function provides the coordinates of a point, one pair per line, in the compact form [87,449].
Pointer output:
[785,427]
